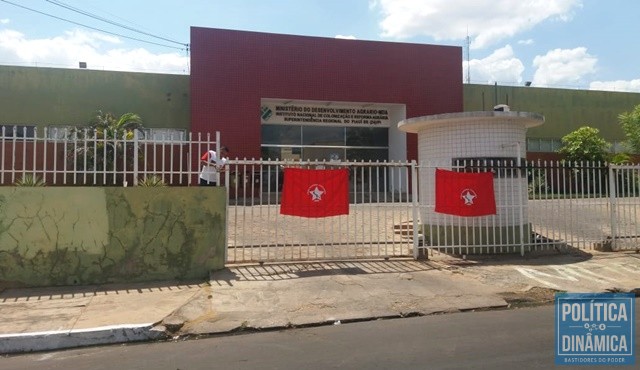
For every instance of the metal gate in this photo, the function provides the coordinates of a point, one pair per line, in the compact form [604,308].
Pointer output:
[560,205]
[379,223]
[568,206]
[624,184]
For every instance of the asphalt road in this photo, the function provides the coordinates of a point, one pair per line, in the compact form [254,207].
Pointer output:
[506,339]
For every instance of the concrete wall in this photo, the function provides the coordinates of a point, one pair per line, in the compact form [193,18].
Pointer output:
[91,235]
[54,96]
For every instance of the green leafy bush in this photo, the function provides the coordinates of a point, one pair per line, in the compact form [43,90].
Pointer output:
[152,181]
[585,144]
[29,180]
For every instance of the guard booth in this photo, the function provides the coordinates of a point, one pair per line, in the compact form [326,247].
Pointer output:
[482,141]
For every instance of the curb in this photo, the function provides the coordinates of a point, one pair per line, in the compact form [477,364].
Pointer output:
[55,340]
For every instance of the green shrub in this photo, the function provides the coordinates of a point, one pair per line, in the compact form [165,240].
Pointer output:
[29,180]
[152,181]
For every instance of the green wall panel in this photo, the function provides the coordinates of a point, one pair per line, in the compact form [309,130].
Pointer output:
[564,110]
[53,96]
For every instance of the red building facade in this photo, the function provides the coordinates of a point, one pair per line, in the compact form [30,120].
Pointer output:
[233,74]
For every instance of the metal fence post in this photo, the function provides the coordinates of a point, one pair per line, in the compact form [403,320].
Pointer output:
[414,206]
[226,218]
[136,143]
[523,200]
[613,205]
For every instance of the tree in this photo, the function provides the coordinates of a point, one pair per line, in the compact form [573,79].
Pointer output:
[630,122]
[100,146]
[108,126]
[585,144]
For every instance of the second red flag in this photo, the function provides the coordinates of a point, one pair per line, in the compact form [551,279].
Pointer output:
[465,194]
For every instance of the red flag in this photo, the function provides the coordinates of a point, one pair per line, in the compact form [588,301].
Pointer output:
[315,193]
[465,194]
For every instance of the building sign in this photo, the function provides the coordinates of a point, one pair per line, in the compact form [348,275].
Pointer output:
[323,115]
[594,328]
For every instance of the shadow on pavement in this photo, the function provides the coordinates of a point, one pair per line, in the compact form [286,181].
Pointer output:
[564,256]
[67,292]
[286,271]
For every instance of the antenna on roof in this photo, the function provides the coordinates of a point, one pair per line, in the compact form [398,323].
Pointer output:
[468,40]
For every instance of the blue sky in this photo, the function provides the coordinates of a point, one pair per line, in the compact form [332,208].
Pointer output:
[584,44]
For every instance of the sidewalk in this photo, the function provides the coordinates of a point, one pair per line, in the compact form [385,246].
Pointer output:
[298,294]
[63,317]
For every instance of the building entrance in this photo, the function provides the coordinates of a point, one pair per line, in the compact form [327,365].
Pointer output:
[330,131]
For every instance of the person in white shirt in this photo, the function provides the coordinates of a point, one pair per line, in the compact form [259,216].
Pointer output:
[212,164]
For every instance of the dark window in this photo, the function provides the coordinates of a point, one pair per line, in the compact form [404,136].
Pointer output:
[367,136]
[165,134]
[325,143]
[281,134]
[312,135]
[544,145]
[501,167]
[320,153]
[7,131]
[268,152]
[367,155]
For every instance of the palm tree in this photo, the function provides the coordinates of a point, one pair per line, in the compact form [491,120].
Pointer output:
[110,127]
[100,146]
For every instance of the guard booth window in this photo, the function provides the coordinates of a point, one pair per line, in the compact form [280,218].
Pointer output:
[501,167]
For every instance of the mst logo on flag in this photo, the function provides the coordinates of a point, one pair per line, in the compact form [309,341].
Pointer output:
[315,193]
[465,194]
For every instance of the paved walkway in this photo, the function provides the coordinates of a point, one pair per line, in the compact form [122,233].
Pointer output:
[298,294]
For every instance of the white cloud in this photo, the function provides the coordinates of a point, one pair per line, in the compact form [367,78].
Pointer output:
[98,50]
[142,60]
[486,21]
[4,21]
[526,42]
[563,67]
[619,85]
[500,66]
[350,37]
